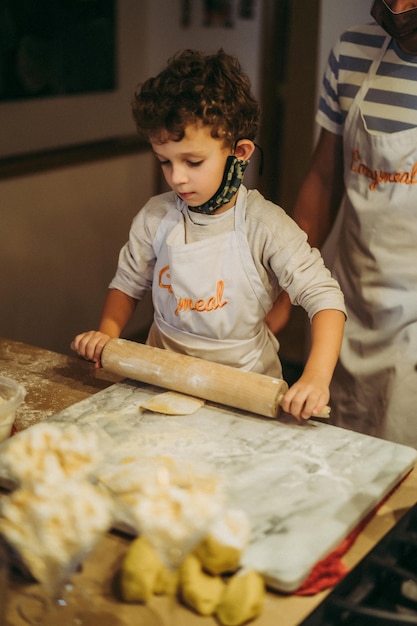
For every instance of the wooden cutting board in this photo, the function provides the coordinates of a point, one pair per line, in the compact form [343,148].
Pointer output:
[304,486]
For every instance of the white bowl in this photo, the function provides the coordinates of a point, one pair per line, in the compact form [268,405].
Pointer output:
[12,394]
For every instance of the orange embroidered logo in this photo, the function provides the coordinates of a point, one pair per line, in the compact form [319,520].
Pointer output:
[164,273]
[379,176]
[189,304]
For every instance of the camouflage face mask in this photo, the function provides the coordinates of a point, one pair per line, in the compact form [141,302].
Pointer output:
[232,178]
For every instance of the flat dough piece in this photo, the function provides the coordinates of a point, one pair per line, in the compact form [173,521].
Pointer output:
[172,403]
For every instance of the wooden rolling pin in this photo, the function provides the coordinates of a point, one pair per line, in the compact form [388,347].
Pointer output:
[211,381]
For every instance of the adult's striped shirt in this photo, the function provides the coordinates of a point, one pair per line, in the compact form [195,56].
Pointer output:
[390,103]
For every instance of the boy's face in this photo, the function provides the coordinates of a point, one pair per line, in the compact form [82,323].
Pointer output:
[194,166]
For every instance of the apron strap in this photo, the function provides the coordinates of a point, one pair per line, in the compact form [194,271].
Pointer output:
[169,221]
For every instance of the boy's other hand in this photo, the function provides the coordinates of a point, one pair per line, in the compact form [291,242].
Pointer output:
[90,345]
[306,398]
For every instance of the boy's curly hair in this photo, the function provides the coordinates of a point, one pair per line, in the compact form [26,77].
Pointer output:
[211,88]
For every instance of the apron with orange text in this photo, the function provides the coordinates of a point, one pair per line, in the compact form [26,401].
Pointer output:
[209,300]
[374,389]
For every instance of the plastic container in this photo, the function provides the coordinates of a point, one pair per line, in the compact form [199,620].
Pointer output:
[12,394]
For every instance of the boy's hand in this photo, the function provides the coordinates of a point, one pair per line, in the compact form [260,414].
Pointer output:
[307,397]
[90,345]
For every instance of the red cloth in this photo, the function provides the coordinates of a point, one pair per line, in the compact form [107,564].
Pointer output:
[330,570]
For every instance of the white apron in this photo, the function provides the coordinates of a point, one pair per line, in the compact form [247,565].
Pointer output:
[374,389]
[209,300]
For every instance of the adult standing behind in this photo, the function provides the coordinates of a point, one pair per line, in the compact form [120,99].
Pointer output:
[366,156]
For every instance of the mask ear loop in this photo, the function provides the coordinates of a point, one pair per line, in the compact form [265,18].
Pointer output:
[261,163]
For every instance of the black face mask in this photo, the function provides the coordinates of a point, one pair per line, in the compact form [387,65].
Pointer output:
[400,26]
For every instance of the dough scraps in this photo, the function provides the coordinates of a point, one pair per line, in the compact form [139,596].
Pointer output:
[172,403]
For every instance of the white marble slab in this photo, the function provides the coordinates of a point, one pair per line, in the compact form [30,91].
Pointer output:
[304,486]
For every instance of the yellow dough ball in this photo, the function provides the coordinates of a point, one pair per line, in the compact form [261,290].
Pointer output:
[140,570]
[166,582]
[220,551]
[216,557]
[199,591]
[242,599]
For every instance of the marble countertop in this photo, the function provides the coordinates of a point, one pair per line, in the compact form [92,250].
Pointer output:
[56,382]
[304,485]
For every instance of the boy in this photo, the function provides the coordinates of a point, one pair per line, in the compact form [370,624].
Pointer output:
[215,254]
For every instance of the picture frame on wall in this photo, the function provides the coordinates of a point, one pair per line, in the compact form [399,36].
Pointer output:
[90,102]
[56,47]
